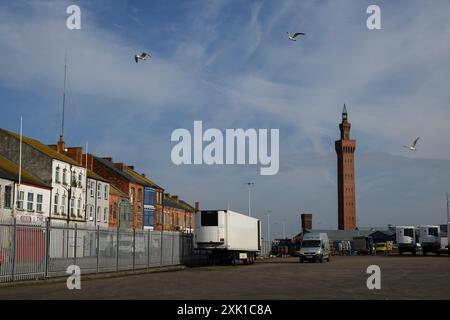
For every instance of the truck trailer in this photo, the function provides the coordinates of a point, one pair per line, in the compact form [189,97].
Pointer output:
[228,236]
[364,245]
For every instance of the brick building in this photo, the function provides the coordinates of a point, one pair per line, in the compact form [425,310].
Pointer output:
[178,215]
[306,221]
[117,201]
[114,172]
[345,149]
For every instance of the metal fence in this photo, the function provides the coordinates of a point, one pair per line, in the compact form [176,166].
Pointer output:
[35,251]
[266,247]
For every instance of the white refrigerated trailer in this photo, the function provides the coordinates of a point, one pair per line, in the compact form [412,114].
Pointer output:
[228,236]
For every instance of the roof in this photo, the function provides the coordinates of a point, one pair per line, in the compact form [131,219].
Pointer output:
[143,180]
[93,175]
[168,202]
[10,171]
[42,148]
[187,205]
[113,168]
[115,191]
[343,234]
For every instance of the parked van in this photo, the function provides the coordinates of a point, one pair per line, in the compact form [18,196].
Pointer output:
[315,247]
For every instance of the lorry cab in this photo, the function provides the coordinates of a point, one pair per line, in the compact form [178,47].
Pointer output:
[315,247]
[406,239]
[430,239]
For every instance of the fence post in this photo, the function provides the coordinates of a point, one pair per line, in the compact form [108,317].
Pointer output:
[117,249]
[98,246]
[13,271]
[47,246]
[75,244]
[148,247]
[173,247]
[134,248]
[162,252]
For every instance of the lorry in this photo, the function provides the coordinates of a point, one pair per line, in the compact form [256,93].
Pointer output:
[429,239]
[406,239]
[383,247]
[227,236]
[364,245]
[315,247]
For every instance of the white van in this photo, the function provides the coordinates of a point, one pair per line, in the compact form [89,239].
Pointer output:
[315,247]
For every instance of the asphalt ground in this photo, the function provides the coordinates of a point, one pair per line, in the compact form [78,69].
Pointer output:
[345,277]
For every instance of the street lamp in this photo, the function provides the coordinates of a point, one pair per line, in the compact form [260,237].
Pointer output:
[250,185]
[268,224]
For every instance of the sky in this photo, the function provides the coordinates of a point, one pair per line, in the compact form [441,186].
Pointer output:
[230,65]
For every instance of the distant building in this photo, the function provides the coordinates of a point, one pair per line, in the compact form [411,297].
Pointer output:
[178,215]
[28,201]
[345,149]
[65,176]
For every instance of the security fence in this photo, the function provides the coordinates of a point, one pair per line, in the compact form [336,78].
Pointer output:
[266,248]
[41,250]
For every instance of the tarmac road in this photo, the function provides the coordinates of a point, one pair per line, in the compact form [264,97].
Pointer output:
[345,277]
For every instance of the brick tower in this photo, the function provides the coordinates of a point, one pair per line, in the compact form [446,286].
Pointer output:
[345,149]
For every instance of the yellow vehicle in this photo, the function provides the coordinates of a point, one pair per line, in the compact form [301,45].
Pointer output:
[383,247]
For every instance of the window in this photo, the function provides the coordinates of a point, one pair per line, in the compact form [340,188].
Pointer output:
[99,188]
[63,205]
[55,204]
[91,187]
[105,214]
[80,180]
[106,192]
[72,206]
[79,207]
[140,195]
[8,201]
[132,195]
[433,232]
[39,200]
[409,233]
[58,175]
[98,214]
[30,201]
[209,219]
[65,176]
[20,198]
[91,212]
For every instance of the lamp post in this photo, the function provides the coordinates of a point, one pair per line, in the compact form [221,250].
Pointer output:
[250,185]
[268,224]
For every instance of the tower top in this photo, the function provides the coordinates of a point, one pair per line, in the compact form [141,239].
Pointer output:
[344,113]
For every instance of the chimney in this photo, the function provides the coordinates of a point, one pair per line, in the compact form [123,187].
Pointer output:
[75,153]
[130,167]
[119,165]
[175,198]
[107,159]
[61,146]
[166,195]
[90,161]
[143,174]
[197,206]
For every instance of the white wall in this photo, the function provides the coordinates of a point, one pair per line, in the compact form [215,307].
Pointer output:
[60,190]
[97,203]
[5,212]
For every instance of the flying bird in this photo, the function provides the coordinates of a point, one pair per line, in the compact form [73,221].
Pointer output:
[293,37]
[412,147]
[141,56]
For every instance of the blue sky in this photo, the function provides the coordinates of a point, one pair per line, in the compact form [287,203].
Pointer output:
[229,64]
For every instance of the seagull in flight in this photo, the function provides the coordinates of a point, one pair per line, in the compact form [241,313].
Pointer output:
[412,147]
[141,56]
[293,37]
